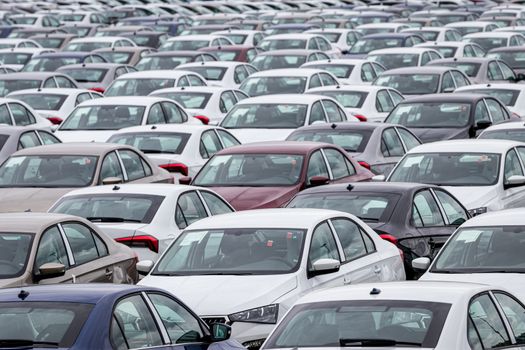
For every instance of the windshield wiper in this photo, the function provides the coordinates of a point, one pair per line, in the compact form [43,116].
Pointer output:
[374,342]
[110,219]
[166,274]
[26,344]
[225,273]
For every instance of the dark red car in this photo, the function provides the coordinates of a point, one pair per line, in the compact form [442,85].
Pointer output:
[240,53]
[269,174]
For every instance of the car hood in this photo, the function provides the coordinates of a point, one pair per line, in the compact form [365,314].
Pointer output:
[260,135]
[437,134]
[474,196]
[220,295]
[84,135]
[39,199]
[244,198]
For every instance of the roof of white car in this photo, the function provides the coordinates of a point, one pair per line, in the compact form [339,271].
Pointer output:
[224,64]
[425,29]
[380,25]
[195,37]
[14,41]
[287,72]
[353,87]
[55,91]
[268,218]
[505,126]
[506,86]
[33,50]
[304,36]
[329,30]
[430,44]
[461,146]
[236,31]
[146,189]
[400,50]
[283,99]
[490,35]
[181,128]
[205,89]
[339,61]
[430,291]
[508,217]
[156,74]
[469,24]
[124,100]
[97,39]
[510,29]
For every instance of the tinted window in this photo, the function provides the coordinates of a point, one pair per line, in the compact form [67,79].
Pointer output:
[51,249]
[215,204]
[82,242]
[350,237]
[425,211]
[111,167]
[323,245]
[487,324]
[189,209]
[132,164]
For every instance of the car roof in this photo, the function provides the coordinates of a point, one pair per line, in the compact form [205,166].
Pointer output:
[504,86]
[182,89]
[400,50]
[64,54]
[54,91]
[124,100]
[469,24]
[387,36]
[287,52]
[155,74]
[29,222]
[283,99]
[418,70]
[29,75]
[346,126]
[227,64]
[506,126]
[508,48]
[174,53]
[490,35]
[290,72]
[356,87]
[71,148]
[382,187]
[304,36]
[464,146]
[455,97]
[507,217]
[108,65]
[430,44]
[181,128]
[146,189]
[349,61]
[195,37]
[97,39]
[464,59]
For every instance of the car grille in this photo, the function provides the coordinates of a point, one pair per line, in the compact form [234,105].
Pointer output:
[211,320]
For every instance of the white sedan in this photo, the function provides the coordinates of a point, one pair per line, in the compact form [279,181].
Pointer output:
[275,117]
[102,42]
[96,120]
[349,71]
[341,38]
[299,41]
[194,42]
[403,315]
[146,217]
[242,37]
[484,175]
[207,103]
[248,268]
[18,113]
[505,131]
[511,95]
[458,49]
[227,74]
[399,57]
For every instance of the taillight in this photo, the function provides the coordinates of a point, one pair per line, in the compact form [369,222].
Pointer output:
[143,241]
[98,89]
[176,168]
[55,120]
[364,164]
[203,119]
[388,238]
[361,117]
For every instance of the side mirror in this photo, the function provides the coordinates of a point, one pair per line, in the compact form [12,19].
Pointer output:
[318,181]
[220,332]
[324,266]
[483,124]
[144,266]
[515,181]
[54,127]
[421,263]
[185,180]
[111,180]
[378,178]
[50,270]
[520,76]
[449,90]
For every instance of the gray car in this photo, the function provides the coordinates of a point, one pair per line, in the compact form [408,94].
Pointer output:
[480,70]
[33,80]
[96,76]
[376,146]
[14,138]
[124,55]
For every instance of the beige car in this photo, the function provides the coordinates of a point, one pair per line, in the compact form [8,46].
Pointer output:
[45,248]
[33,179]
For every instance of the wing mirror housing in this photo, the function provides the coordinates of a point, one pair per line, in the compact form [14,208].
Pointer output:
[318,181]
[144,266]
[113,180]
[378,178]
[515,181]
[185,180]
[50,270]
[421,263]
[324,266]
[483,124]
[220,332]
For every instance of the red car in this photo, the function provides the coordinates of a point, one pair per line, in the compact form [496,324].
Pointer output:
[240,53]
[269,174]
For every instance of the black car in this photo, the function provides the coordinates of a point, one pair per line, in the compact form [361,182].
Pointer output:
[383,41]
[437,117]
[417,218]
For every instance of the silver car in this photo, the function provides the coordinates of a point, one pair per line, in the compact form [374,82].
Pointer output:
[14,138]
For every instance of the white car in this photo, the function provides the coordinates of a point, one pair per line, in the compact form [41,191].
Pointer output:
[92,43]
[17,58]
[364,102]
[194,42]
[491,40]
[35,20]
[82,17]
[9,43]
[517,29]
[484,175]
[485,249]
[511,95]
[15,112]
[299,41]
[470,27]
[248,268]
[55,104]
[96,120]
[458,49]
[242,37]
[207,103]
[350,71]
[180,149]
[505,131]
[403,56]
[380,28]
[143,83]
[437,34]
[403,315]
[275,117]
[227,74]
[146,217]
[341,38]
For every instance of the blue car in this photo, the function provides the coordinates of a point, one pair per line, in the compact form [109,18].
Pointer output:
[104,316]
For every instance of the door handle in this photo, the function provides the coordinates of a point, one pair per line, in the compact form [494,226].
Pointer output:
[377,270]
[347,281]
[108,273]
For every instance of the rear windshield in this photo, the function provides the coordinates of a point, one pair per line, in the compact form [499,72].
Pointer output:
[48,102]
[350,140]
[84,75]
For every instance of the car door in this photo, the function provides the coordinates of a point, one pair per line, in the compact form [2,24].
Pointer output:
[513,196]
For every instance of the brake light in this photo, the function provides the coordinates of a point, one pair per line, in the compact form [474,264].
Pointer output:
[388,238]
[176,168]
[143,241]
[203,119]
[55,120]
[364,164]
[98,89]
[361,117]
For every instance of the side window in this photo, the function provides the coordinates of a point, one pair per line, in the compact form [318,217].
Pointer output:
[496,111]
[367,73]
[132,164]
[250,54]
[487,326]
[327,80]
[493,71]
[456,215]
[315,81]
[28,139]
[195,80]
[119,71]
[377,68]
[21,115]
[383,101]
[65,83]
[189,209]
[481,113]
[5,118]
[448,83]
[515,314]
[333,112]
[468,51]
[425,210]
[460,79]
[409,140]
[312,45]
[210,144]
[227,101]
[173,113]
[47,138]
[156,115]
[508,73]
[316,166]
[183,81]
[317,113]
[51,249]
[110,167]
[349,235]
[227,139]
[336,161]
[82,242]
[322,246]
[82,97]
[425,58]
[512,165]
[135,324]
[396,97]
[240,74]
[391,145]
[215,204]
[181,325]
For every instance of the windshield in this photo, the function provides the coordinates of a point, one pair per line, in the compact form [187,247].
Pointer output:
[71,17]
[339,70]
[117,57]
[227,55]
[488,43]
[509,134]
[515,59]
[137,87]
[483,249]
[257,86]
[24,20]
[251,251]
[52,43]
[431,115]
[50,64]
[251,170]
[448,169]
[7,86]
[151,142]
[266,116]
[446,51]
[14,58]
[16,249]
[237,39]
[161,62]
[469,30]
[361,323]
[391,61]
[39,101]
[105,117]
[191,100]
[265,62]
[349,99]
[332,37]
[349,140]
[111,207]
[470,69]
[86,46]
[366,45]
[282,44]
[372,207]
[48,171]
[184,45]
[85,75]
[410,84]
[209,73]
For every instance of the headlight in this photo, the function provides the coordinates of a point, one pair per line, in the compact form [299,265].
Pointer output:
[263,314]
[477,211]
